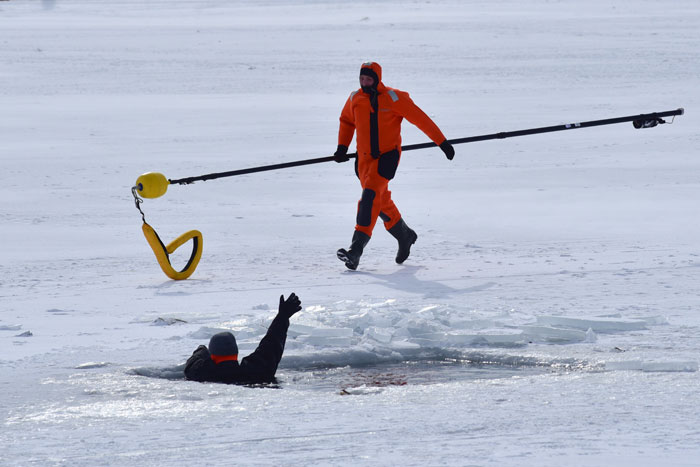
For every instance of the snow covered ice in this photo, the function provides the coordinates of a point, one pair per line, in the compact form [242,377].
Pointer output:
[548,314]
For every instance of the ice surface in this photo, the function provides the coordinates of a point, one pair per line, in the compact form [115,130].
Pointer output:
[596,324]
[89,365]
[652,366]
[553,335]
[167,321]
[548,314]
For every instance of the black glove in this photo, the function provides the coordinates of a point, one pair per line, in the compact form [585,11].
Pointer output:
[447,149]
[290,306]
[341,154]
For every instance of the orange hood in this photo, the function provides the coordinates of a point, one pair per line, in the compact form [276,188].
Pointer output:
[374,70]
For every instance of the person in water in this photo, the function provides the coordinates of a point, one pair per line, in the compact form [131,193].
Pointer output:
[219,362]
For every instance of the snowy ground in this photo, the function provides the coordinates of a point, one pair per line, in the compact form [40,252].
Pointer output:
[547,316]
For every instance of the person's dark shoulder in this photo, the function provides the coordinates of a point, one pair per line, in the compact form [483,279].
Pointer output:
[200,353]
[200,366]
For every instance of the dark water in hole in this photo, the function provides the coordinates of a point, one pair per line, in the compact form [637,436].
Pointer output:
[422,371]
[401,374]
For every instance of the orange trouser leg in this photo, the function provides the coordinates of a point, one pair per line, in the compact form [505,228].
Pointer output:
[389,213]
[375,202]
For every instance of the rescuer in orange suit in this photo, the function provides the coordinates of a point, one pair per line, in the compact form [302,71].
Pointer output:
[374,112]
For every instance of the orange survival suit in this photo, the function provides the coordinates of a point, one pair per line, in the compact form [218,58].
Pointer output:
[376,117]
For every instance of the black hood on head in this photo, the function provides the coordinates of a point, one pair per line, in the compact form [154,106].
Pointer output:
[223,344]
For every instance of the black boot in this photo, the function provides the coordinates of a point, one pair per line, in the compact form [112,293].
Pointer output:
[406,237]
[351,257]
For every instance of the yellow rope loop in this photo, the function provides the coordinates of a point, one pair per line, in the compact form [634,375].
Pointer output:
[162,251]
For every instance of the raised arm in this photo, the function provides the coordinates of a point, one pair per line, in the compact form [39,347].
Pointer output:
[262,364]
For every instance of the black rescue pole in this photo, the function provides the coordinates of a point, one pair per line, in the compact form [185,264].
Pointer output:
[155,184]
[640,121]
[262,168]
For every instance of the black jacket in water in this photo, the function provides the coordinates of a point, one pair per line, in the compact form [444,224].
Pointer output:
[258,367]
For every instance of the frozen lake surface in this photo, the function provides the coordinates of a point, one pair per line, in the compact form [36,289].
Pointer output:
[547,316]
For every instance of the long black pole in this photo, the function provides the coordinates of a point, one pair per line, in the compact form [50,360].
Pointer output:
[654,117]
